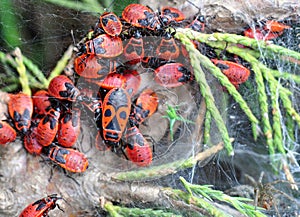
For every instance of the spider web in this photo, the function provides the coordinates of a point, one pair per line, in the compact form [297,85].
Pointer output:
[46,32]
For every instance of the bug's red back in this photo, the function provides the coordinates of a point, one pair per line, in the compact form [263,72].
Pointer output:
[20,108]
[172,75]
[69,159]
[145,106]
[61,87]
[105,46]
[69,128]
[137,149]
[110,23]
[7,133]
[40,208]
[47,128]
[116,110]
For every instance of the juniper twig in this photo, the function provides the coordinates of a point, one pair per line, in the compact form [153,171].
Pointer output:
[118,211]
[210,194]
[36,72]
[195,59]
[207,125]
[238,39]
[22,72]
[168,168]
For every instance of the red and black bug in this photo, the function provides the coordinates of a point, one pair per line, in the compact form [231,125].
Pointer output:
[47,128]
[67,158]
[113,80]
[110,23]
[30,139]
[275,26]
[141,16]
[41,208]
[7,133]
[20,108]
[137,149]
[115,114]
[261,34]
[42,102]
[145,106]
[104,46]
[61,87]
[198,24]
[69,128]
[167,48]
[236,73]
[172,75]
[132,81]
[92,66]
[171,15]
[134,49]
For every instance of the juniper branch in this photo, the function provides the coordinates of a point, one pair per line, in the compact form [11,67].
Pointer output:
[22,72]
[231,89]
[285,75]
[197,201]
[238,39]
[207,125]
[116,211]
[36,72]
[210,194]
[9,88]
[264,107]
[277,89]
[195,59]
[168,168]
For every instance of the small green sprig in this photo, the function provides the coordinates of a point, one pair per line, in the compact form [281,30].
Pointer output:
[205,191]
[264,107]
[207,126]
[200,202]
[29,77]
[118,211]
[36,72]
[30,74]
[22,72]
[285,75]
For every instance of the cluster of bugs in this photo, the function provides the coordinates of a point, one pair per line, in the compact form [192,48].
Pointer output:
[47,124]
[108,60]
[108,84]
